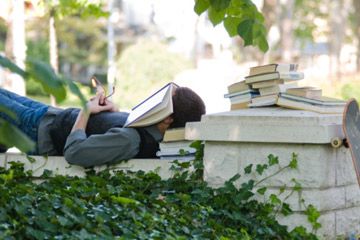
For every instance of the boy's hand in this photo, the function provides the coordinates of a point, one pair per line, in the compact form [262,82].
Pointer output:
[99,104]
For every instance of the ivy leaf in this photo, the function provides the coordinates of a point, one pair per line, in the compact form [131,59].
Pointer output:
[123,200]
[260,168]
[245,30]
[272,160]
[274,199]
[231,24]
[216,16]
[262,190]
[248,169]
[282,189]
[30,159]
[293,163]
[220,5]
[285,209]
[234,178]
[263,44]
[313,215]
[201,6]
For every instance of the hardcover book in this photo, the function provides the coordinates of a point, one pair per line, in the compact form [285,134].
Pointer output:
[301,105]
[277,89]
[280,67]
[238,87]
[153,109]
[308,92]
[274,76]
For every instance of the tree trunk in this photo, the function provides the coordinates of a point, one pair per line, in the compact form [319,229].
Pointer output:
[111,47]
[53,49]
[357,32]
[16,46]
[286,31]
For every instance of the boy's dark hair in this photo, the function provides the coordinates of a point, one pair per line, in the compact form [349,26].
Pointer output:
[188,107]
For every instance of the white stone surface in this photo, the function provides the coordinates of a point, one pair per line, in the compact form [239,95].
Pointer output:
[58,165]
[2,160]
[327,220]
[352,196]
[267,125]
[324,200]
[345,171]
[316,163]
[348,221]
[161,167]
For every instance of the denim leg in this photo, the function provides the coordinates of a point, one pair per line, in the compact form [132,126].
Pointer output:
[27,111]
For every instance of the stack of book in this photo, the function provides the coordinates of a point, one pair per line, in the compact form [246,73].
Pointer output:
[271,80]
[276,84]
[311,99]
[175,147]
[240,95]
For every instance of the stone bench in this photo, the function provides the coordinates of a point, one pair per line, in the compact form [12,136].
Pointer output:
[235,139]
[59,166]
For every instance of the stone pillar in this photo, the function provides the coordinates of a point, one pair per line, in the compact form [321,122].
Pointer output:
[235,139]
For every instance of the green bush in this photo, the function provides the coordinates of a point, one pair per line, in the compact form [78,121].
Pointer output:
[351,90]
[138,205]
[143,68]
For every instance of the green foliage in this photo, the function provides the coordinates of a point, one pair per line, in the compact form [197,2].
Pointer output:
[350,90]
[240,17]
[143,68]
[137,205]
[52,83]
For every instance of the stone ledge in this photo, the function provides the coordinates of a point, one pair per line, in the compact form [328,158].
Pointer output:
[59,166]
[269,125]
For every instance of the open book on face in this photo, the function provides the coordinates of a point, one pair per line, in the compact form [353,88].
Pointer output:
[153,109]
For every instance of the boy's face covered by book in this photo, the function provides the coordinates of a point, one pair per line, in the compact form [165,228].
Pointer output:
[188,107]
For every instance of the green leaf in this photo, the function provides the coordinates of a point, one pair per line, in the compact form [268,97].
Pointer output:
[75,90]
[293,163]
[30,159]
[234,178]
[215,16]
[285,209]
[272,160]
[231,24]
[248,169]
[123,200]
[263,44]
[262,190]
[274,199]
[6,63]
[220,5]
[8,112]
[260,168]
[201,6]
[245,31]
[45,75]
[11,136]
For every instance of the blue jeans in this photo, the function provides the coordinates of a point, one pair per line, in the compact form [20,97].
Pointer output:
[27,111]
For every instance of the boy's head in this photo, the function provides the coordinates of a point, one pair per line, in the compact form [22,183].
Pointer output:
[188,107]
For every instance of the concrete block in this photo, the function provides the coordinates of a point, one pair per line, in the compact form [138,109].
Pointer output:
[58,165]
[267,125]
[327,220]
[352,196]
[323,199]
[3,160]
[348,221]
[345,171]
[316,163]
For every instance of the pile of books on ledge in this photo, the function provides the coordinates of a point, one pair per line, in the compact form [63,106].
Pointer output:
[175,147]
[277,84]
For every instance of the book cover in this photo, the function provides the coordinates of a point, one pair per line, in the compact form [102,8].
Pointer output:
[174,134]
[274,76]
[153,109]
[280,88]
[242,93]
[319,101]
[243,98]
[279,67]
[270,83]
[238,87]
[237,106]
[308,92]
[264,101]
[299,105]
